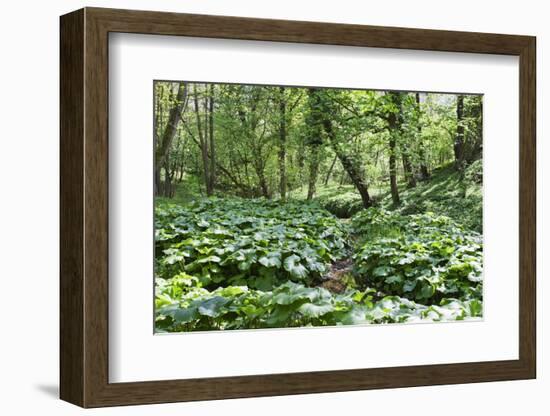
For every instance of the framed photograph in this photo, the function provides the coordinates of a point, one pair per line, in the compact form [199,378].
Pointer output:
[255,207]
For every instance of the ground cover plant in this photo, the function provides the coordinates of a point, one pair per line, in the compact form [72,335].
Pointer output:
[290,207]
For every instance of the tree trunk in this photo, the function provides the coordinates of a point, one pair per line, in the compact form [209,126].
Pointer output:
[393,125]
[212,142]
[476,150]
[407,169]
[167,186]
[393,175]
[158,183]
[408,172]
[353,171]
[313,172]
[259,167]
[263,183]
[282,144]
[343,178]
[163,147]
[314,140]
[348,165]
[203,144]
[181,167]
[329,173]
[459,139]
[424,173]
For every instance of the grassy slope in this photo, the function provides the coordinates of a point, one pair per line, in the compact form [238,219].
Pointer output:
[444,194]
[186,191]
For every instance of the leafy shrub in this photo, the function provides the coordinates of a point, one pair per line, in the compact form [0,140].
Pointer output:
[474,172]
[344,205]
[373,223]
[256,243]
[421,257]
[342,201]
[294,305]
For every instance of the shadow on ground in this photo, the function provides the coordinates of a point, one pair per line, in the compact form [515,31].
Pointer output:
[51,390]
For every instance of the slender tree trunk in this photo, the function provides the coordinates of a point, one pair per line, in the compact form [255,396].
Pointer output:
[424,173]
[259,167]
[181,166]
[208,172]
[212,141]
[163,147]
[329,173]
[477,146]
[459,139]
[393,176]
[314,140]
[393,124]
[159,116]
[282,144]
[313,172]
[167,186]
[353,172]
[405,148]
[158,183]
[263,182]
[203,143]
[343,177]
[407,169]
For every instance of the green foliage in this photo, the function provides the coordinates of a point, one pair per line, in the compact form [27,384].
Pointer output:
[234,264]
[293,305]
[286,260]
[343,202]
[423,257]
[257,243]
[474,172]
[447,193]
[374,223]
[345,206]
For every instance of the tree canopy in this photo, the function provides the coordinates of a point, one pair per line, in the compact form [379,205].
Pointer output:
[273,142]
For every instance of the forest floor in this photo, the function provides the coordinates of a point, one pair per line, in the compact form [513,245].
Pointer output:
[230,263]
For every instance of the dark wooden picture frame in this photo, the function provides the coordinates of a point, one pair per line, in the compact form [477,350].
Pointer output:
[84,207]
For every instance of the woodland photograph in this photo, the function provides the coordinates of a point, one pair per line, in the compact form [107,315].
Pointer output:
[283,206]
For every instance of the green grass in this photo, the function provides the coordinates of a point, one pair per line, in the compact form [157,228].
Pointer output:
[186,191]
[445,193]
[342,201]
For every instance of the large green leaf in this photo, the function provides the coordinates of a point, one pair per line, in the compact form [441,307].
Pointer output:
[312,310]
[294,267]
[185,315]
[271,260]
[213,306]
